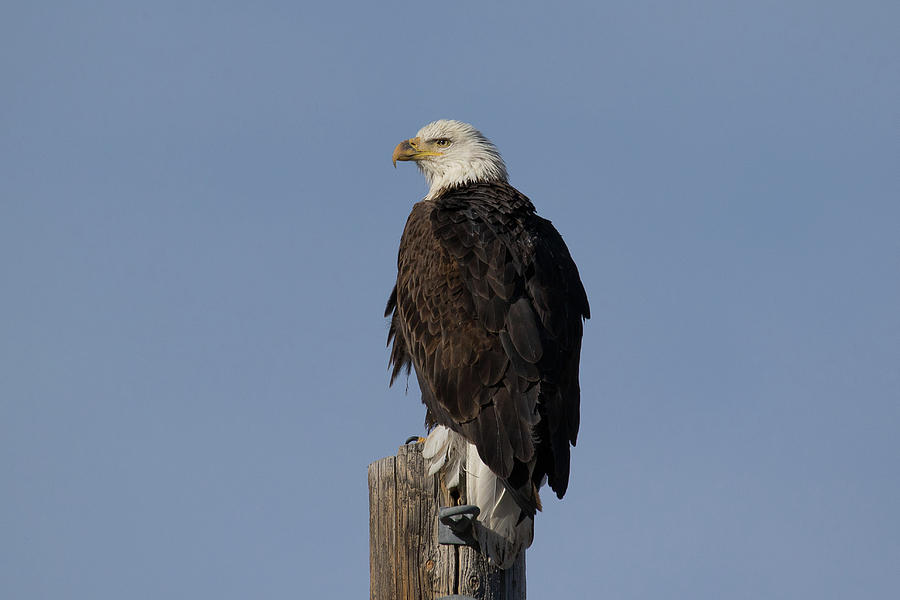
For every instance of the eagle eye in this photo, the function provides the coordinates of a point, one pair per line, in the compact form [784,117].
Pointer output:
[442,142]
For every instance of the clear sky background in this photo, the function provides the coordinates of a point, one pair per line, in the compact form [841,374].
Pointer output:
[198,233]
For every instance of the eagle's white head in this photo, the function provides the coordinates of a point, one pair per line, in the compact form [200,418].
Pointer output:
[452,153]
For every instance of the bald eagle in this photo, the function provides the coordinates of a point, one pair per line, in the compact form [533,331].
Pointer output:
[488,310]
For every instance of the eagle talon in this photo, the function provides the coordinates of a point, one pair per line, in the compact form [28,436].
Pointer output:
[413,439]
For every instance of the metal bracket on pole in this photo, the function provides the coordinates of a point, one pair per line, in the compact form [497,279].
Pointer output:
[455,526]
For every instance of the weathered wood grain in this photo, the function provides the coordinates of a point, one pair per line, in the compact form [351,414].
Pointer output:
[405,560]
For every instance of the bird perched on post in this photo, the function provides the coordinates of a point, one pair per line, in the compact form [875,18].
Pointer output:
[488,310]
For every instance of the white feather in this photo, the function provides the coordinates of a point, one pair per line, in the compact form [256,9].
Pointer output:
[436,449]
[500,533]
[444,451]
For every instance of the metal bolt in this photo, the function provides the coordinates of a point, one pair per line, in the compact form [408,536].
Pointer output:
[456,524]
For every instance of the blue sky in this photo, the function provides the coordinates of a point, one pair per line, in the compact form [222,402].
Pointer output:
[198,233]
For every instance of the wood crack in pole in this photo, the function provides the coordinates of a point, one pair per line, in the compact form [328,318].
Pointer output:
[406,562]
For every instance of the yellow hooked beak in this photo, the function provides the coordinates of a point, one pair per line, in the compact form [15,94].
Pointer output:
[411,150]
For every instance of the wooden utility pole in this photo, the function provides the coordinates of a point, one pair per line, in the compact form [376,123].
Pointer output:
[406,562]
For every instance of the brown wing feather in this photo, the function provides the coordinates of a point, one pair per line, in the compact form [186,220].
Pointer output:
[488,308]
